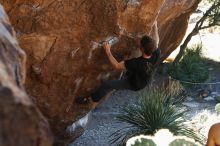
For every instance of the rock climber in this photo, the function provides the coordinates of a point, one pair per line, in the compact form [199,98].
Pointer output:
[214,135]
[138,75]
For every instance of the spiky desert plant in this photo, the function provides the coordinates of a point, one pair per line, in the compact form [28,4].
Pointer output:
[174,88]
[191,68]
[155,110]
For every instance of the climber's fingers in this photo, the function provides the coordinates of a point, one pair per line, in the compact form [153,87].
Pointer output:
[106,46]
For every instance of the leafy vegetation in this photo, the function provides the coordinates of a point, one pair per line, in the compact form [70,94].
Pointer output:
[192,67]
[156,109]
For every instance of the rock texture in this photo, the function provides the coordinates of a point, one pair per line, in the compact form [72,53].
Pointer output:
[21,123]
[60,38]
[173,22]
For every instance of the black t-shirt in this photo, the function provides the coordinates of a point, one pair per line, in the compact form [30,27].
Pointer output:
[139,70]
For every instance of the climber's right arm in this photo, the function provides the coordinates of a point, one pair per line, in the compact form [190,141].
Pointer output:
[117,65]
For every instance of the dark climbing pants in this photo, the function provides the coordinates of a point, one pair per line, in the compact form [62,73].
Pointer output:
[108,86]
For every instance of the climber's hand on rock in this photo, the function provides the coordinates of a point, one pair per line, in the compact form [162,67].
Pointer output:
[107,46]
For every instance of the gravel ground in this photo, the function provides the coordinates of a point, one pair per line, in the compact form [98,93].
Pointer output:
[103,123]
[201,116]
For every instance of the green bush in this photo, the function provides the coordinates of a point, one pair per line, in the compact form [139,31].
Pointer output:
[192,67]
[155,110]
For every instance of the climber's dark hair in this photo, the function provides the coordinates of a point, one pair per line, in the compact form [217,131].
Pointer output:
[148,45]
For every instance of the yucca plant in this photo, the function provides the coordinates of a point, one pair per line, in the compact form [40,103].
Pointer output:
[155,110]
[192,67]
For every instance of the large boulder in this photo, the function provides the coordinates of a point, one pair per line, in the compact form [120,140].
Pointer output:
[61,39]
[173,22]
[21,123]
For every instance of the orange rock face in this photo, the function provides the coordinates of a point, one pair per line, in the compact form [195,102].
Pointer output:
[21,123]
[60,38]
[173,23]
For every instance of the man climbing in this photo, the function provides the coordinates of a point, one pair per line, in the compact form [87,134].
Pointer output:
[139,71]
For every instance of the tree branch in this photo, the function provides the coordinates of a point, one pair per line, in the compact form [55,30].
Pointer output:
[214,20]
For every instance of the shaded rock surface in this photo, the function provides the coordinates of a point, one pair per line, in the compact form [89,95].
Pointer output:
[21,123]
[60,38]
[173,22]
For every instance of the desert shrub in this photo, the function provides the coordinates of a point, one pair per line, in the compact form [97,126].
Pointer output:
[155,110]
[173,88]
[192,67]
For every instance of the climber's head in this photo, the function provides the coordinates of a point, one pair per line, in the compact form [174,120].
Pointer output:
[148,45]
